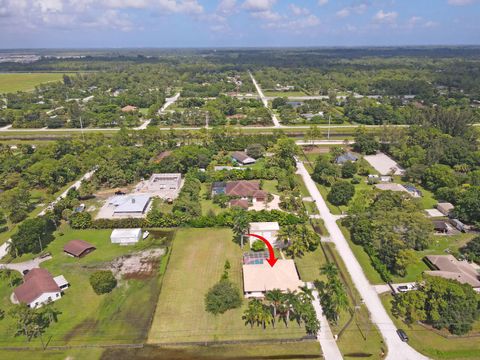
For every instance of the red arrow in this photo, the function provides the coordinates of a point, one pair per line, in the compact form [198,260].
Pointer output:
[272,259]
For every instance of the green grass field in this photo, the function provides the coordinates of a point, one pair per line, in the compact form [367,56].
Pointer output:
[121,316]
[272,93]
[290,351]
[25,81]
[196,264]
[434,345]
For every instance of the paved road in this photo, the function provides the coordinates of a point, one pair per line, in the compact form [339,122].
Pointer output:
[325,337]
[168,102]
[265,101]
[397,350]
[76,184]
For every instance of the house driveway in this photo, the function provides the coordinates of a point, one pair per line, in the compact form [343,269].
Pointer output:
[26,265]
[272,205]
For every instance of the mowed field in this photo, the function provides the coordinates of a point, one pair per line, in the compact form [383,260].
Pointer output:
[196,264]
[25,81]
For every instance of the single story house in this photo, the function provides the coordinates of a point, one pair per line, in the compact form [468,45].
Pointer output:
[126,236]
[294,104]
[310,116]
[129,108]
[129,205]
[448,267]
[268,230]
[390,187]
[241,203]
[228,168]
[348,156]
[246,190]
[78,248]
[260,278]
[242,158]
[167,181]
[445,208]
[441,226]
[39,287]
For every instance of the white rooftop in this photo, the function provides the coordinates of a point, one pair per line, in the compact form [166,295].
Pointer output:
[60,280]
[129,203]
[263,277]
[128,233]
[264,226]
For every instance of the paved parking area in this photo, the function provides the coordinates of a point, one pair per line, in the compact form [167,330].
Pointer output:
[384,164]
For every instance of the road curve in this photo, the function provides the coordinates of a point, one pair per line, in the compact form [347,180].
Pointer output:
[397,350]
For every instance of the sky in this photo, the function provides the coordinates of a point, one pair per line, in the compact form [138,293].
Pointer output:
[237,23]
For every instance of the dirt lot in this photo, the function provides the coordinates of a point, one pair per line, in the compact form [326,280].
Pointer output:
[138,265]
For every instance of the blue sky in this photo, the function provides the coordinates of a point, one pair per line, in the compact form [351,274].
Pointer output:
[230,23]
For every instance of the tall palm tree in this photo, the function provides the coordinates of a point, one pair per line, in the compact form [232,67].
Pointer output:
[251,313]
[240,225]
[330,270]
[265,316]
[275,298]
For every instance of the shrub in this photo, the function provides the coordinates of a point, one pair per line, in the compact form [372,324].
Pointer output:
[341,193]
[103,281]
[258,246]
[80,220]
[221,297]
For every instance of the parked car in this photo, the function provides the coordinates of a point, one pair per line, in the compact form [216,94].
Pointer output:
[402,335]
[405,288]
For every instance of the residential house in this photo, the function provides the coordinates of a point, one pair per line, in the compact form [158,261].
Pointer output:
[240,203]
[78,248]
[412,190]
[258,278]
[126,236]
[348,156]
[294,104]
[242,158]
[448,267]
[129,205]
[219,188]
[158,182]
[441,226]
[310,116]
[39,287]
[248,190]
[269,230]
[129,108]
[445,208]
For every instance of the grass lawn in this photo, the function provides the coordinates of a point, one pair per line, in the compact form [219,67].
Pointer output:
[121,316]
[435,345]
[207,204]
[25,81]
[270,186]
[270,93]
[309,265]
[196,264]
[291,351]
[72,354]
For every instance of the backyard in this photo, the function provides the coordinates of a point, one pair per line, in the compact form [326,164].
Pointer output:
[196,264]
[121,316]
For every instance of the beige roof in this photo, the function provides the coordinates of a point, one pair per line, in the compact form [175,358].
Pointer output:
[264,226]
[450,268]
[391,187]
[445,207]
[262,277]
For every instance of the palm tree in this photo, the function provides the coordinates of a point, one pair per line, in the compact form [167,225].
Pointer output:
[330,270]
[275,297]
[250,315]
[240,225]
[265,316]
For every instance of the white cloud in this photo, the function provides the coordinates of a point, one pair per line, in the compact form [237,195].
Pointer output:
[460,2]
[297,10]
[322,2]
[385,17]
[226,7]
[267,15]
[295,25]
[357,9]
[258,5]
[49,5]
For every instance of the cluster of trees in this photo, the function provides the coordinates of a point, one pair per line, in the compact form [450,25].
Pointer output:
[32,323]
[390,226]
[33,236]
[471,250]
[299,239]
[283,307]
[441,303]
[188,200]
[333,296]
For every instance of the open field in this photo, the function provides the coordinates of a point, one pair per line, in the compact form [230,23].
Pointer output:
[290,351]
[25,81]
[274,93]
[435,345]
[122,316]
[196,264]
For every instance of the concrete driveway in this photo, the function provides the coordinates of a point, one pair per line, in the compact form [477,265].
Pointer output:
[26,265]
[397,349]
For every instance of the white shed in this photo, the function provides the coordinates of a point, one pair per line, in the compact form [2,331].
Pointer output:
[268,230]
[126,236]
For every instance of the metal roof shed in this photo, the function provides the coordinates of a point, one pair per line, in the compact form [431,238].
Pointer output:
[126,236]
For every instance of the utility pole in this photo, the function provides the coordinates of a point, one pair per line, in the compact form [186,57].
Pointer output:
[40,242]
[81,127]
[328,134]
